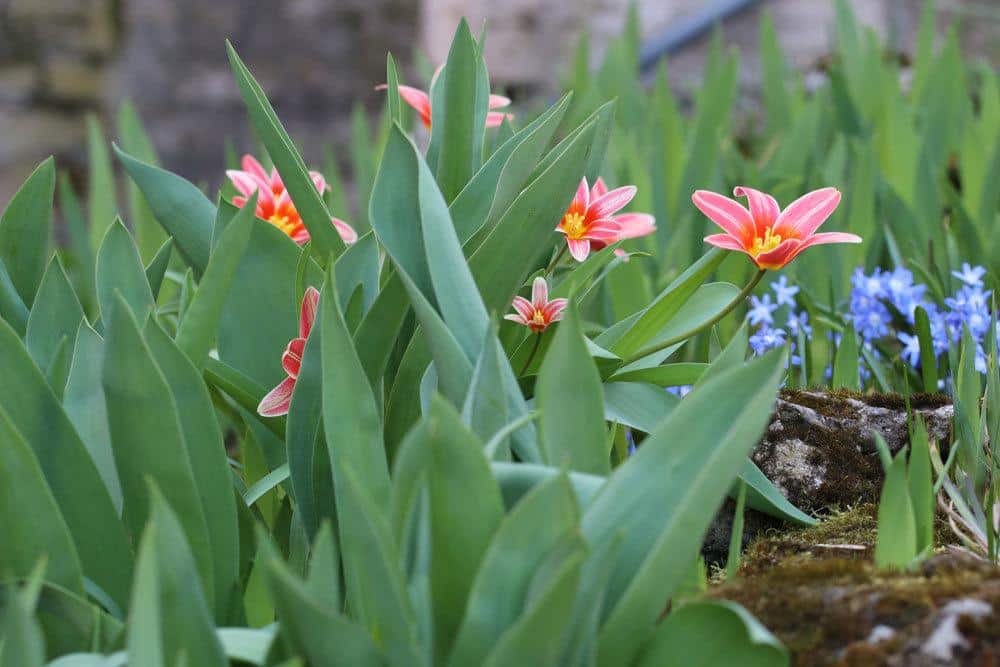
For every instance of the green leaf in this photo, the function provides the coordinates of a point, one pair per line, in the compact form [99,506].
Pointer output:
[568,393]
[197,331]
[78,255]
[157,267]
[147,439]
[921,485]
[896,546]
[686,465]
[545,518]
[102,201]
[351,419]
[181,208]
[149,235]
[928,359]
[392,100]
[764,496]
[25,228]
[659,314]
[69,472]
[459,103]
[311,626]
[637,405]
[12,308]
[33,525]
[168,596]
[57,314]
[287,160]
[206,450]
[846,374]
[120,272]
[707,633]
[23,644]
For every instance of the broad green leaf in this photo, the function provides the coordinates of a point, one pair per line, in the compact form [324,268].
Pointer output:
[120,272]
[168,595]
[57,314]
[637,405]
[102,201]
[83,401]
[12,308]
[206,451]
[921,485]
[78,255]
[157,267]
[184,212]
[287,160]
[392,100]
[149,235]
[896,546]
[33,525]
[25,228]
[546,517]
[69,471]
[568,393]
[928,359]
[197,331]
[704,634]
[147,439]
[351,420]
[23,644]
[312,627]
[687,465]
[845,364]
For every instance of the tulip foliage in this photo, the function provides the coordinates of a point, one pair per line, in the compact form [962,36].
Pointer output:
[244,433]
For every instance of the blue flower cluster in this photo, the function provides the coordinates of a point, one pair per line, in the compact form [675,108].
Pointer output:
[883,305]
[765,312]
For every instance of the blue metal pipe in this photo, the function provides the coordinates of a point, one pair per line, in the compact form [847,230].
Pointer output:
[687,30]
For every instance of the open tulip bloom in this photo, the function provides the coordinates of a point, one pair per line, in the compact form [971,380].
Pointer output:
[274,204]
[590,222]
[276,402]
[538,313]
[770,236]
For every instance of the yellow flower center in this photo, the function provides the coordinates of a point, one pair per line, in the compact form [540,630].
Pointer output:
[572,224]
[766,244]
[283,223]
[538,317]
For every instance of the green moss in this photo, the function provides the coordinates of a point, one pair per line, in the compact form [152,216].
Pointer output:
[842,408]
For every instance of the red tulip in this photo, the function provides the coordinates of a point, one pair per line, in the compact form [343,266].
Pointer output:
[590,222]
[274,204]
[770,236]
[276,402]
[538,313]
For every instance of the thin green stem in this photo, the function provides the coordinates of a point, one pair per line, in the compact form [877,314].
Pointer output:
[555,261]
[531,357]
[737,300]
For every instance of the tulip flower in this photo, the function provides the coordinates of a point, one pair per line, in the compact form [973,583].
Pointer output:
[538,313]
[590,222]
[421,102]
[770,236]
[276,402]
[274,204]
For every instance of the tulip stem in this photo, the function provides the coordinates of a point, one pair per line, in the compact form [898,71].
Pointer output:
[673,340]
[555,260]
[531,357]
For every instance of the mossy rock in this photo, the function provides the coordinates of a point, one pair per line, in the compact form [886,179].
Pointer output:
[819,592]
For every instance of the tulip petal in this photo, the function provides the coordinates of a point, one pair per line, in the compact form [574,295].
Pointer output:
[496,119]
[318,180]
[634,225]
[523,307]
[254,168]
[499,101]
[582,197]
[515,317]
[804,215]
[291,359]
[579,248]
[244,183]
[553,310]
[780,256]
[824,238]
[611,202]
[539,293]
[347,233]
[724,241]
[764,208]
[726,213]
[277,401]
[301,236]
[419,100]
[600,188]
[307,316]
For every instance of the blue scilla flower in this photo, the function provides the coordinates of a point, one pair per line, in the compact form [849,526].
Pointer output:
[767,338]
[762,310]
[680,390]
[970,275]
[631,441]
[872,322]
[797,321]
[871,286]
[911,349]
[903,294]
[969,308]
[784,293]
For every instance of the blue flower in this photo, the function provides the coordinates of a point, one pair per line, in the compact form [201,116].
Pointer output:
[767,338]
[798,321]
[911,349]
[762,310]
[903,294]
[970,275]
[784,292]
[871,286]
[873,323]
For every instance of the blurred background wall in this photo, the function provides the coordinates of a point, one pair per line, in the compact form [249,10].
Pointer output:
[317,59]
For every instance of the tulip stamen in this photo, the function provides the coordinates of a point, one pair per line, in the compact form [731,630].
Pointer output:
[769,242]
[573,225]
